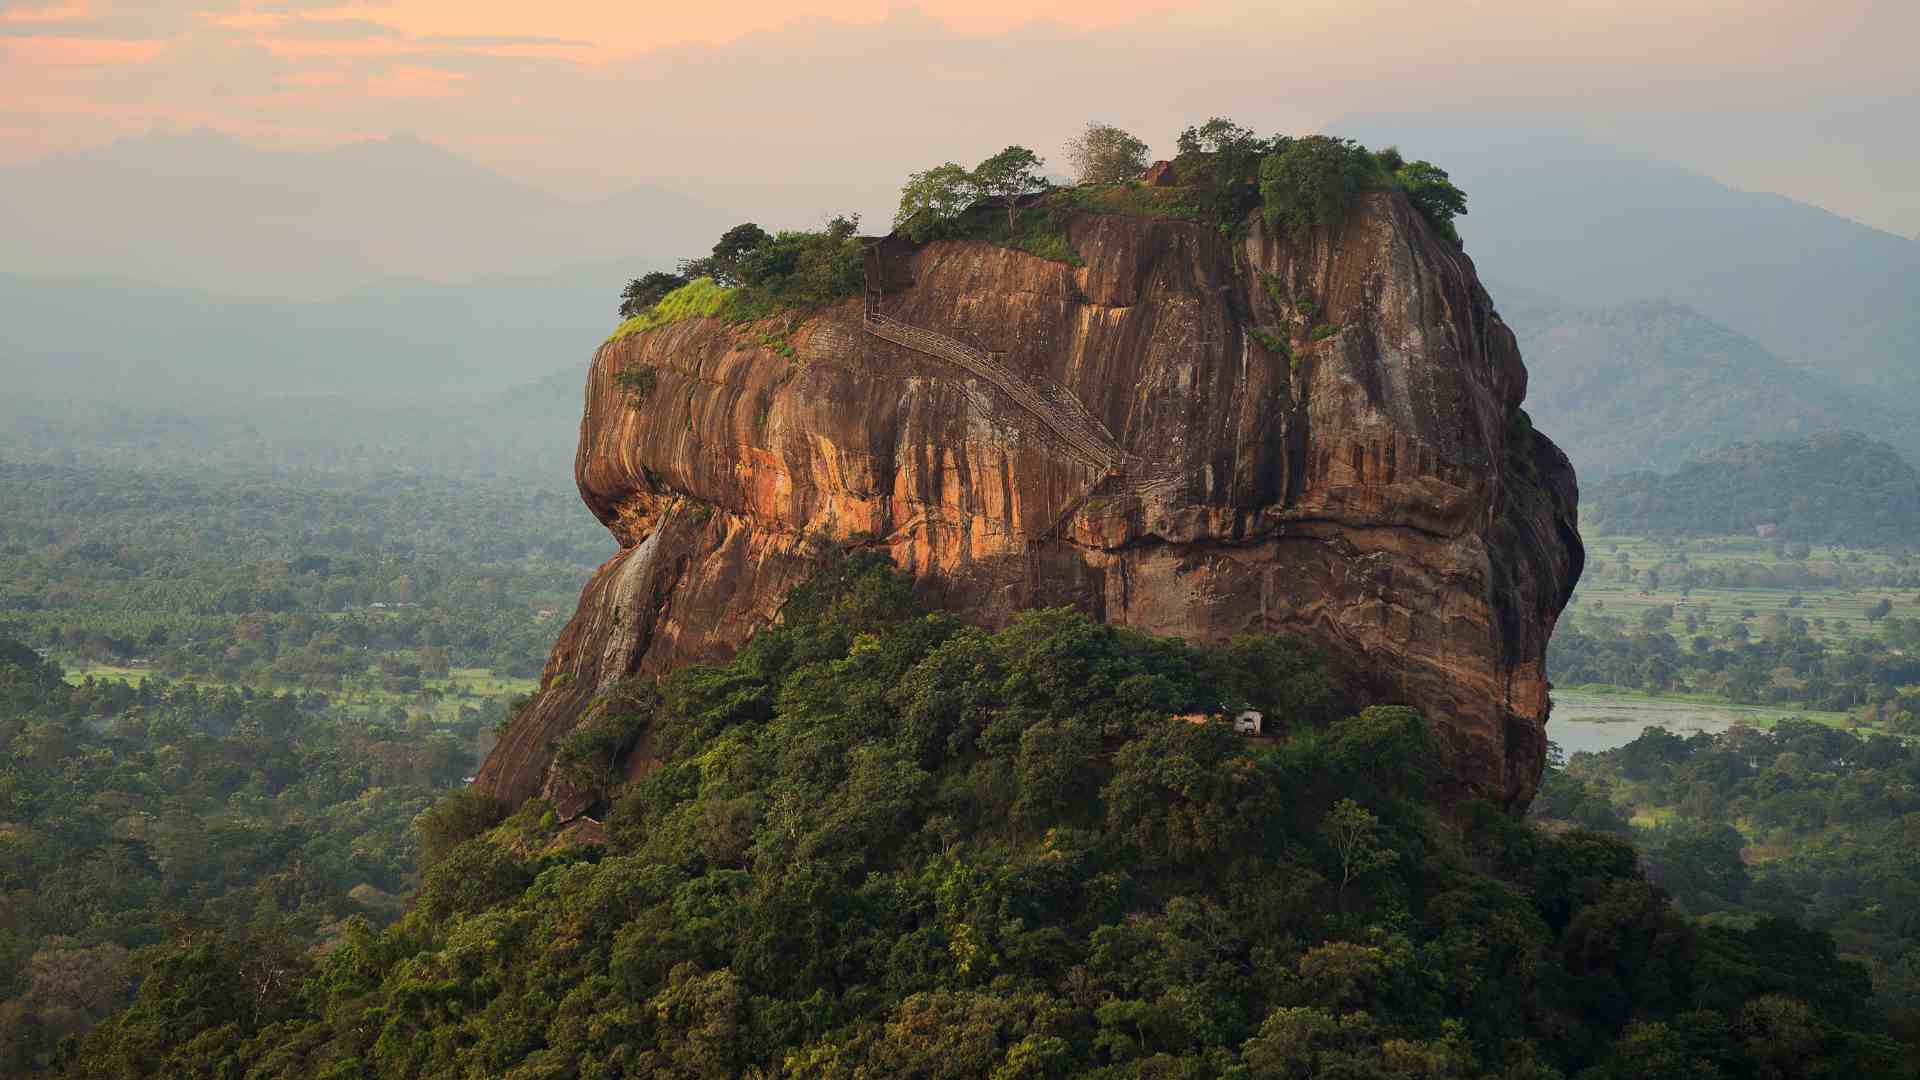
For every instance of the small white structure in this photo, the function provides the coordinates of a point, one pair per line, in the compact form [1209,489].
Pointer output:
[1247,721]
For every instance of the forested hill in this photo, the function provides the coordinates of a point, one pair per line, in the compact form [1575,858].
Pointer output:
[881,843]
[1841,487]
[1650,385]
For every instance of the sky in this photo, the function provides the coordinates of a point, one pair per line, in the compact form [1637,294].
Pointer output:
[832,103]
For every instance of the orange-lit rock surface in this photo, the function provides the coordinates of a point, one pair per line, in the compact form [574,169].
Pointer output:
[1378,493]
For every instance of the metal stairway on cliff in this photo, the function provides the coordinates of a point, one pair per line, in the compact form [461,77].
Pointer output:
[1060,411]
[1054,406]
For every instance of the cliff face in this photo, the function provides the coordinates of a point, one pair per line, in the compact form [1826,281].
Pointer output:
[1120,437]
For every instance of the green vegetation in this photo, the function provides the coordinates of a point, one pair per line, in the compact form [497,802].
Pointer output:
[1220,161]
[1277,292]
[728,261]
[1431,193]
[1749,828]
[637,382]
[884,844]
[257,679]
[1302,182]
[1224,173]
[931,201]
[701,298]
[937,203]
[383,591]
[779,343]
[1311,181]
[127,815]
[1104,154]
[643,292]
[1008,175]
[1037,232]
[1718,578]
[752,274]
[1840,487]
[945,203]
[1273,341]
[1730,620]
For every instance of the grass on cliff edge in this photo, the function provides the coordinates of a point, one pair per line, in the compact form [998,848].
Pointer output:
[698,299]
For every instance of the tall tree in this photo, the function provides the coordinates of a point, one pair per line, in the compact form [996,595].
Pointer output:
[1010,174]
[1354,834]
[931,199]
[1104,154]
[643,292]
[727,264]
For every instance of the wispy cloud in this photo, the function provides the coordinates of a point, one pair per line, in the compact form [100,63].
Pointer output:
[500,40]
[848,95]
[334,30]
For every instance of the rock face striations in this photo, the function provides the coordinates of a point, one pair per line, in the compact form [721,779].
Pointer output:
[1315,434]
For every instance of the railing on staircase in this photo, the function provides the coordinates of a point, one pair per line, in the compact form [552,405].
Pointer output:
[1054,406]
[1062,414]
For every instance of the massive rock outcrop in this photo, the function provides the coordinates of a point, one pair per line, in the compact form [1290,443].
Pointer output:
[1317,434]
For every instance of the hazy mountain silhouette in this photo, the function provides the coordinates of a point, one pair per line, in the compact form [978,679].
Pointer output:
[207,212]
[1649,385]
[1602,226]
[392,339]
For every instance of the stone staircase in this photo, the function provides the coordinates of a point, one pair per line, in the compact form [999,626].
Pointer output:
[1053,406]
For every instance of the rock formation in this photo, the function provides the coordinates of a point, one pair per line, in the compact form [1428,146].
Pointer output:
[1315,434]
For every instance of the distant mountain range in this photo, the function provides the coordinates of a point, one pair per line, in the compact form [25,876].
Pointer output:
[521,437]
[1649,385]
[206,212]
[393,340]
[1837,487]
[1600,226]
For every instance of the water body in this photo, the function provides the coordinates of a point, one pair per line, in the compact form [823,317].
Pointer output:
[1599,722]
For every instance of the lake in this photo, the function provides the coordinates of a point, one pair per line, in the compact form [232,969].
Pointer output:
[1598,722]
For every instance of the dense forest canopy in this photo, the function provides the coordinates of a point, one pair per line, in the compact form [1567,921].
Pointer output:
[1841,487]
[269,674]
[879,842]
[1783,659]
[1802,822]
[131,814]
[296,579]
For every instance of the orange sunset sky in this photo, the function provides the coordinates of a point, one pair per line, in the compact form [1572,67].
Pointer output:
[1815,100]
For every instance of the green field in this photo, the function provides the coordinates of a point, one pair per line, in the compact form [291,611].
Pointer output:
[439,697]
[1600,703]
[1834,609]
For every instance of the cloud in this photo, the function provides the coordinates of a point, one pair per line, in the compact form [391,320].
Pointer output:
[808,113]
[59,28]
[498,40]
[291,7]
[409,81]
[334,30]
[108,23]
